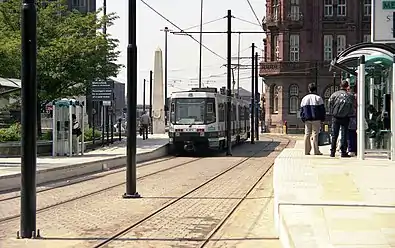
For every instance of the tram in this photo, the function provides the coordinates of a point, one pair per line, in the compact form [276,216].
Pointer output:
[198,120]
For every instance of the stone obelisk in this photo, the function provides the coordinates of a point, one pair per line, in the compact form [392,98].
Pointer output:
[158,113]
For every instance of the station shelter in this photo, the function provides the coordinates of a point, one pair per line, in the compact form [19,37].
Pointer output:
[370,69]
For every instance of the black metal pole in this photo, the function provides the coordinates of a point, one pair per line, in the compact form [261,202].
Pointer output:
[166,31]
[150,99]
[103,116]
[131,189]
[144,95]
[256,98]
[93,122]
[29,119]
[229,86]
[112,116]
[108,124]
[120,128]
[200,45]
[252,94]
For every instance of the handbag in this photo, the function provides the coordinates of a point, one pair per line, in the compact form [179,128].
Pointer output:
[324,139]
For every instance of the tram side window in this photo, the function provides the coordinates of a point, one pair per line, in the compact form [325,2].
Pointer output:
[221,112]
[172,112]
[210,111]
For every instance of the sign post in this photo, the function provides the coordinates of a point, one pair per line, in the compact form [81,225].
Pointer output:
[383,21]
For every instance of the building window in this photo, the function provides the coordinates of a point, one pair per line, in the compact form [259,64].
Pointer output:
[328,47]
[341,43]
[295,10]
[275,47]
[78,3]
[294,47]
[341,8]
[293,99]
[275,10]
[328,8]
[327,94]
[274,95]
[367,38]
[367,7]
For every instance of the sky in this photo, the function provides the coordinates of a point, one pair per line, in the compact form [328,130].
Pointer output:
[183,52]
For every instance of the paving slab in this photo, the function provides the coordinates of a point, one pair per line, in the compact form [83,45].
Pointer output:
[333,202]
[56,168]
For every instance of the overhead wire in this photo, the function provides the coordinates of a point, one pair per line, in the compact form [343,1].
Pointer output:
[253,11]
[181,30]
[205,23]
[252,23]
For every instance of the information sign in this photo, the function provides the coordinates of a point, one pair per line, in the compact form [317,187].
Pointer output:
[383,21]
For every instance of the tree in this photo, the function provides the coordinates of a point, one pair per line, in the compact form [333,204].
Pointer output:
[71,51]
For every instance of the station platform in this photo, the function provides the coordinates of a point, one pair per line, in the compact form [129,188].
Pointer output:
[333,202]
[52,169]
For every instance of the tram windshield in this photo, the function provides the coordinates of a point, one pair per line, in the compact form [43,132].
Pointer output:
[189,111]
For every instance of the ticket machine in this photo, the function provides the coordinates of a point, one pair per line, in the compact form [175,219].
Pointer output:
[62,127]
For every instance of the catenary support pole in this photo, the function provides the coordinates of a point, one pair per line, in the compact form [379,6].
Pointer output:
[29,119]
[200,43]
[256,98]
[144,95]
[150,99]
[229,86]
[361,109]
[131,188]
[252,93]
[238,67]
[392,114]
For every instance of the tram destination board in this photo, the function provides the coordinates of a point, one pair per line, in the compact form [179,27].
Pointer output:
[102,90]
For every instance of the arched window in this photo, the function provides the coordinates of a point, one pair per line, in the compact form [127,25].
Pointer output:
[327,94]
[274,95]
[293,98]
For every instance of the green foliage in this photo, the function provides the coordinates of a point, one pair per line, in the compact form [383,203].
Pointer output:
[13,133]
[71,51]
[88,134]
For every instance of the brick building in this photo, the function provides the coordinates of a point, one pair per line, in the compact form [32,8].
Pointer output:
[302,38]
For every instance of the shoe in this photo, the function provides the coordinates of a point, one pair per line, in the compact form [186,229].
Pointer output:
[352,154]
[332,155]
[345,155]
[318,154]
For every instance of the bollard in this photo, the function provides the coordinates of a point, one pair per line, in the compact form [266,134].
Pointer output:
[119,128]
[285,128]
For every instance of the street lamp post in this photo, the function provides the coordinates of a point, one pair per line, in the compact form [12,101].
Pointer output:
[200,45]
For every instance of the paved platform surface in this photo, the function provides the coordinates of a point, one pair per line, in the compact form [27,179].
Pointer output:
[106,155]
[334,202]
[84,222]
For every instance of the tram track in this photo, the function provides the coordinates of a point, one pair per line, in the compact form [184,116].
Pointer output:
[66,182]
[76,198]
[158,211]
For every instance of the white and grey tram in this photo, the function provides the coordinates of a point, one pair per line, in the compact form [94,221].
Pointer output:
[198,120]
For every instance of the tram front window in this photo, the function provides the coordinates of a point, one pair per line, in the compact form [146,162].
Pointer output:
[189,111]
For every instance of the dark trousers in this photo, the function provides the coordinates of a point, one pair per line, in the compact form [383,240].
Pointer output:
[336,124]
[144,130]
[352,141]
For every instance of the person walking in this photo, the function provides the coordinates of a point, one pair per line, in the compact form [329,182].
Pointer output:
[145,122]
[341,107]
[312,113]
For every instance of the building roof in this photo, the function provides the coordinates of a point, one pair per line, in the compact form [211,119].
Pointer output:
[10,82]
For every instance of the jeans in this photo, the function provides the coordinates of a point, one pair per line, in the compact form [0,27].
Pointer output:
[145,131]
[336,124]
[352,140]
